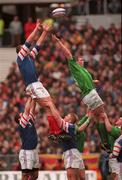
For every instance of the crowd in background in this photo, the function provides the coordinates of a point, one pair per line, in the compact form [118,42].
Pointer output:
[101,51]
[13,33]
[83,7]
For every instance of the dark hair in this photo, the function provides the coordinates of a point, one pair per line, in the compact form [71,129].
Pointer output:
[74,117]
[18,48]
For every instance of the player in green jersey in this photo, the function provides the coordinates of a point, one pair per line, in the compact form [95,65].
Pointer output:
[85,82]
[113,132]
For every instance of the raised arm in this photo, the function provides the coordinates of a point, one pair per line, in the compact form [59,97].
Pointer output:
[46,29]
[108,125]
[36,49]
[64,49]
[34,33]
[24,50]
[84,125]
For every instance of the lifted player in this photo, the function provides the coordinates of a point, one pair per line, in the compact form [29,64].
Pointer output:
[25,60]
[84,81]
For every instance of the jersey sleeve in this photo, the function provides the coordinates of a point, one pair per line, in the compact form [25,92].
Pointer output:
[34,52]
[72,61]
[115,132]
[117,147]
[24,51]
[69,128]
[83,120]
[23,121]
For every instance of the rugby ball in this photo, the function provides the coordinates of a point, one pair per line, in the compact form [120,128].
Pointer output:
[58,12]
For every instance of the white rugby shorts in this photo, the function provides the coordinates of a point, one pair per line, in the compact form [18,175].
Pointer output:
[114,166]
[29,159]
[92,100]
[120,174]
[73,159]
[37,90]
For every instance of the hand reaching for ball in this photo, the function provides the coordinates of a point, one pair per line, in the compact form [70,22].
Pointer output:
[47,27]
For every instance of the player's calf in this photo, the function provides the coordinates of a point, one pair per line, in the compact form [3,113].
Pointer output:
[25,174]
[34,174]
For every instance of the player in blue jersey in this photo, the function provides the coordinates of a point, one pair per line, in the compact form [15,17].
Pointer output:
[72,158]
[25,60]
[28,156]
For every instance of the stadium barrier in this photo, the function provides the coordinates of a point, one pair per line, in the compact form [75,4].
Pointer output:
[44,175]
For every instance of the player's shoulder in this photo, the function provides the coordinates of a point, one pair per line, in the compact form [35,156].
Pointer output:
[120,140]
[72,128]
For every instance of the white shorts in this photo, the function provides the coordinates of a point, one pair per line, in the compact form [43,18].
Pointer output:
[92,100]
[120,174]
[37,90]
[114,166]
[73,159]
[29,159]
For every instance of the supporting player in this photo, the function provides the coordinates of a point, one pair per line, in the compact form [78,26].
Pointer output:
[25,60]
[28,156]
[72,157]
[113,133]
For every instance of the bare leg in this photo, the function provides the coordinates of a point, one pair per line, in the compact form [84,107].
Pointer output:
[100,114]
[99,110]
[49,107]
[25,176]
[32,106]
[34,175]
[73,174]
[82,174]
[27,107]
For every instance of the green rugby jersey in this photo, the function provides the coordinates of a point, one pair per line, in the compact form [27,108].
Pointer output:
[108,138]
[113,135]
[82,77]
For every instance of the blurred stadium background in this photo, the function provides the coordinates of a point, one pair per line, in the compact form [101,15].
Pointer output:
[93,29]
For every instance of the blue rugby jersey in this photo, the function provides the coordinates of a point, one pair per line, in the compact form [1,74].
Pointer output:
[25,60]
[28,136]
[70,130]
[117,149]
